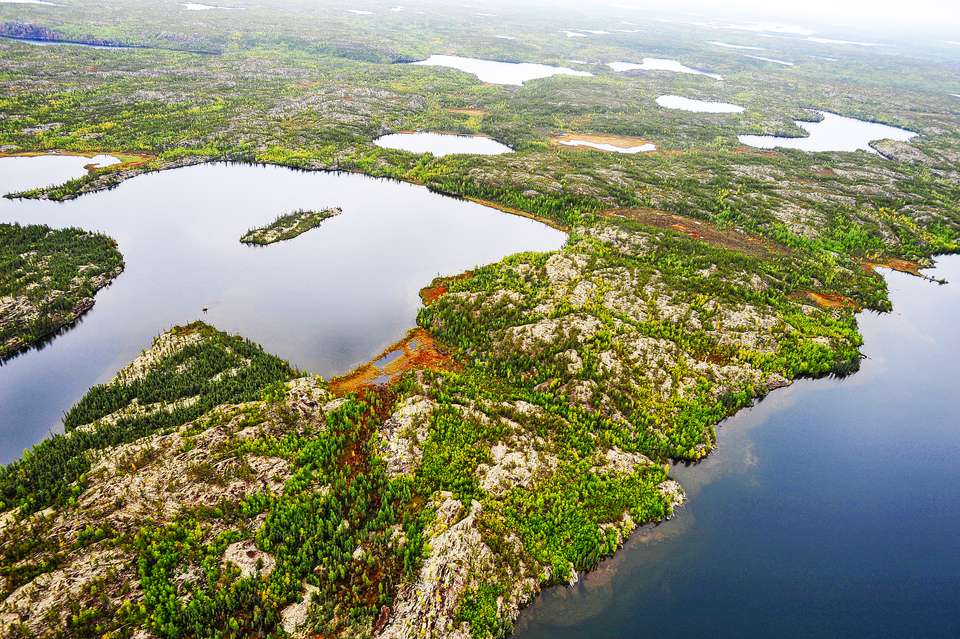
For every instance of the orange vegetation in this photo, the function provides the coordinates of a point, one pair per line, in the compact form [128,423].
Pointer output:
[619,141]
[755,151]
[829,300]
[127,160]
[416,351]
[438,287]
[699,230]
[904,266]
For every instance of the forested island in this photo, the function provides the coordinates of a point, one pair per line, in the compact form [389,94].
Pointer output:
[288,226]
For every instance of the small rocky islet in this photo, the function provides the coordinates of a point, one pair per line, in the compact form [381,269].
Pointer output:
[288,226]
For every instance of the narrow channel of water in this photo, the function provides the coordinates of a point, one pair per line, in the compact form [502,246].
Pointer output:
[65,43]
[327,300]
[830,509]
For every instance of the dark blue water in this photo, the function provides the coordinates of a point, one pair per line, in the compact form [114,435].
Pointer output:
[831,509]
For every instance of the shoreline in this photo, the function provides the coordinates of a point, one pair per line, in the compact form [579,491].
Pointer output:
[693,477]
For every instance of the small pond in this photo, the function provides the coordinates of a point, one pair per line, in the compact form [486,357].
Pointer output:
[833,133]
[605,146]
[440,144]
[326,301]
[515,73]
[698,106]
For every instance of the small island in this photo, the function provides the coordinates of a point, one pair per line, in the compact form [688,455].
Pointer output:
[288,226]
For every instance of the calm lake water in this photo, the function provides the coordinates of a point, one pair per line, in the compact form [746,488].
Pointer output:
[327,300]
[697,106]
[830,509]
[440,144]
[515,73]
[833,133]
[659,64]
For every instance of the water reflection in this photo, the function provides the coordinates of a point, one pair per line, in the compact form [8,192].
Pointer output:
[829,509]
[326,301]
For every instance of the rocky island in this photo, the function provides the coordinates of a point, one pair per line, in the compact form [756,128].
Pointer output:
[288,226]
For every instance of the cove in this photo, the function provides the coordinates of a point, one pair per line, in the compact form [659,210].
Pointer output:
[440,144]
[515,73]
[326,301]
[829,509]
[832,133]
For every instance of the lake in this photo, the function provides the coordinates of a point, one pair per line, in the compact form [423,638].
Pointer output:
[65,43]
[783,63]
[726,45]
[326,301]
[697,106]
[198,6]
[440,144]
[659,64]
[515,73]
[833,133]
[830,509]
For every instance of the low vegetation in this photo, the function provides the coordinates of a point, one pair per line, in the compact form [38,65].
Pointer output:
[287,227]
[188,371]
[48,279]
[523,430]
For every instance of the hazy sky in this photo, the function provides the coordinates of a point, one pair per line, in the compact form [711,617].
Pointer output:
[939,14]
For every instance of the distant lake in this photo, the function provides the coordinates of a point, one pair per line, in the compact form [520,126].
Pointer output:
[199,6]
[833,133]
[65,43]
[515,73]
[659,64]
[830,509]
[773,60]
[440,144]
[326,301]
[726,45]
[698,106]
